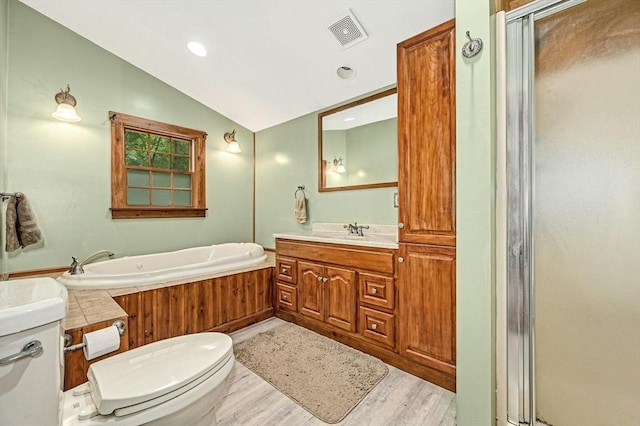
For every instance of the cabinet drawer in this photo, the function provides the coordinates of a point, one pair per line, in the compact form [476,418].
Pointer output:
[286,269]
[378,290]
[377,326]
[287,297]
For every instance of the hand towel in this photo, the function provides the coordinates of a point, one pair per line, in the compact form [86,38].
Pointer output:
[300,210]
[11,219]
[22,228]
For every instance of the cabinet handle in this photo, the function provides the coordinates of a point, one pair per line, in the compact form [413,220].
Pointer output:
[324,280]
[374,291]
[400,259]
[374,326]
[319,278]
[400,225]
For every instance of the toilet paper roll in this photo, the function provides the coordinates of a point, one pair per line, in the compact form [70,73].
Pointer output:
[98,343]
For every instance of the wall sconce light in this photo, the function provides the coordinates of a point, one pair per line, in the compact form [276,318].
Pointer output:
[230,138]
[66,107]
[337,166]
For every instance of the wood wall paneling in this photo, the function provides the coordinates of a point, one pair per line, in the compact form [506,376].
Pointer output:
[76,365]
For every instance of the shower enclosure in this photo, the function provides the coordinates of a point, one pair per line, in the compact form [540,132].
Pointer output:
[573,213]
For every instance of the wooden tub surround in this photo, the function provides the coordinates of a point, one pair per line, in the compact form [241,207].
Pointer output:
[222,303]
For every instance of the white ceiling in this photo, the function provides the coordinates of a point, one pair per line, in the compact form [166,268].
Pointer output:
[268,61]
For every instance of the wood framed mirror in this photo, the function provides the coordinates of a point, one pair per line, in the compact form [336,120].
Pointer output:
[358,144]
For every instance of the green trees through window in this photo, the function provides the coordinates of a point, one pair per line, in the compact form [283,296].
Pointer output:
[156,165]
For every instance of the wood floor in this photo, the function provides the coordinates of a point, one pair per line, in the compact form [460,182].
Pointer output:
[400,399]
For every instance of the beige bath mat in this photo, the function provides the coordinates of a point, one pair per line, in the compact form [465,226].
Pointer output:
[325,377]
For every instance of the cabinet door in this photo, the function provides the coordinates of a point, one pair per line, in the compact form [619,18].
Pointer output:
[426,137]
[340,298]
[310,297]
[427,313]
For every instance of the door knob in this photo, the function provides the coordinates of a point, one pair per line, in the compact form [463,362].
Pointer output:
[400,259]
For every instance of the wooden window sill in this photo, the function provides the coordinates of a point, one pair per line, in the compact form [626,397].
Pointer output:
[155,212]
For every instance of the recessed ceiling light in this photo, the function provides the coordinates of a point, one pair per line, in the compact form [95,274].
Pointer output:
[196,48]
[349,119]
[346,73]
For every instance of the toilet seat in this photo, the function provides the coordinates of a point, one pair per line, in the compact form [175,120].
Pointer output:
[151,381]
[152,372]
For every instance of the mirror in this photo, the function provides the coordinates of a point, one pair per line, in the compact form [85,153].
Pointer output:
[358,144]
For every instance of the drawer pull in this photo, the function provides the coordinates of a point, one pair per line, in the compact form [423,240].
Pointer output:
[374,326]
[324,280]
[374,291]
[284,270]
[319,278]
[285,298]
[400,259]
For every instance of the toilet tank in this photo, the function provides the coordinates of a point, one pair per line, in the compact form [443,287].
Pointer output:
[31,386]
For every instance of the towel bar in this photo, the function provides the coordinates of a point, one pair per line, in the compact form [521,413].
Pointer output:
[7,195]
[300,188]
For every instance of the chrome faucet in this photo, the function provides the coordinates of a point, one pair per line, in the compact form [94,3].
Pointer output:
[356,229]
[76,268]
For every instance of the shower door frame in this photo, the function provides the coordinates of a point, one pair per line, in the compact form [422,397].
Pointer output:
[520,155]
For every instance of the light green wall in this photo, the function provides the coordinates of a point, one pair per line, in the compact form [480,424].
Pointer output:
[64,168]
[4,24]
[287,157]
[475,220]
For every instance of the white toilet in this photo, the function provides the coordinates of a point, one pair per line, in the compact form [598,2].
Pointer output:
[175,381]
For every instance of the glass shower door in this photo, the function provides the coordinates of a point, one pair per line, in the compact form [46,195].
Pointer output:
[573,215]
[586,215]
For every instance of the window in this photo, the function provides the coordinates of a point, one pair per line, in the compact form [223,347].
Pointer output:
[157,169]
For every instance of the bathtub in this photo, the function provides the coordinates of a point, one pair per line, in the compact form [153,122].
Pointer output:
[175,266]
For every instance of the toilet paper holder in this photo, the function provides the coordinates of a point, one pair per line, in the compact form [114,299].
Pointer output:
[119,324]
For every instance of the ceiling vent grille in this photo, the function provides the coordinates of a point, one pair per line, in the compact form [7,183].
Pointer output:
[346,30]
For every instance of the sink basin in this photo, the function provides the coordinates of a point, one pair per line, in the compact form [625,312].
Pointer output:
[30,303]
[384,238]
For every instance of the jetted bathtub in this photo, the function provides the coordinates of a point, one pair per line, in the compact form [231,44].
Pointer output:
[175,266]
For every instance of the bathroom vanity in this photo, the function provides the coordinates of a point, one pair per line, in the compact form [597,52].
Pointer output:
[347,289]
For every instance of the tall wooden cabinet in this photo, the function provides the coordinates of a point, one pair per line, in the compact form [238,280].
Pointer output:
[426,186]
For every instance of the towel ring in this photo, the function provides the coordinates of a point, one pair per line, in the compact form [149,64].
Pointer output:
[300,189]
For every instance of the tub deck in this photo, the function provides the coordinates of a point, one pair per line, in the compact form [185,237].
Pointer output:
[87,307]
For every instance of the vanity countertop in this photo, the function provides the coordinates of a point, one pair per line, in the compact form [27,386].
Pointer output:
[381,236]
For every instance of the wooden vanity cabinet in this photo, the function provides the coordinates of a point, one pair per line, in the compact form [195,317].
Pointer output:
[347,292]
[426,192]
[286,280]
[426,137]
[328,294]
[427,281]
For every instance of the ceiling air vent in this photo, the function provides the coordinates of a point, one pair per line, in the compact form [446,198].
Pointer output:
[346,30]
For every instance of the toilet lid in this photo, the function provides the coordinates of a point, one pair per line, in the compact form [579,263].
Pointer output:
[151,371]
